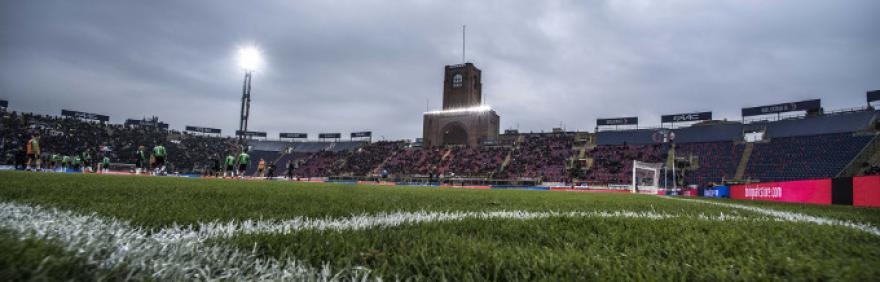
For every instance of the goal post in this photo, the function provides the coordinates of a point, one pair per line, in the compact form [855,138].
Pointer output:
[646,177]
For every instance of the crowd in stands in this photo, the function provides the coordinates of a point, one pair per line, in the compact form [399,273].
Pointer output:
[70,136]
[364,160]
[613,164]
[541,156]
[549,157]
[320,164]
[483,162]
[417,161]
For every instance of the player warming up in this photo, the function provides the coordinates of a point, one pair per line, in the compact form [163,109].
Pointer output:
[229,170]
[33,153]
[159,154]
[140,159]
[243,160]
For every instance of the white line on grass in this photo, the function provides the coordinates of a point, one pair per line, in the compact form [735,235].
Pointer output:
[181,253]
[792,216]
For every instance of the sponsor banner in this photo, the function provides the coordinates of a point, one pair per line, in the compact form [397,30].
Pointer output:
[514,187]
[202,129]
[801,191]
[866,191]
[872,96]
[617,121]
[417,184]
[250,133]
[84,115]
[379,183]
[293,135]
[330,135]
[146,123]
[710,193]
[782,108]
[362,134]
[717,192]
[479,187]
[341,181]
[565,189]
[687,117]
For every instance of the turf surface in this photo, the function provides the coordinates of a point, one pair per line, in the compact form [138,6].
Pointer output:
[34,259]
[162,201]
[590,248]
[688,246]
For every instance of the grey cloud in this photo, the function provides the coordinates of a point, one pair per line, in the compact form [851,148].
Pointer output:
[341,66]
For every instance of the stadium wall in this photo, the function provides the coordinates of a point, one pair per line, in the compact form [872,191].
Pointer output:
[633,137]
[709,133]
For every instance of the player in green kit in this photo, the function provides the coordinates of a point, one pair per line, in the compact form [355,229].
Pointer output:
[86,161]
[54,161]
[77,163]
[243,160]
[140,157]
[230,166]
[105,164]
[159,154]
[65,163]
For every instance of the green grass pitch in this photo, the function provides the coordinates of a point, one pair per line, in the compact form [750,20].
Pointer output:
[400,233]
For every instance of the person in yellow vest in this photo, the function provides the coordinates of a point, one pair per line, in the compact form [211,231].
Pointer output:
[33,152]
[261,167]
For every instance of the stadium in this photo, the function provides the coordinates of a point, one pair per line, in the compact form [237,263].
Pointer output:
[787,190]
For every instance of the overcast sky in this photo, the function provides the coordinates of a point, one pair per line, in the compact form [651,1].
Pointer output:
[343,66]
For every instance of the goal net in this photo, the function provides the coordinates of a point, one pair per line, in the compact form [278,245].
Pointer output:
[646,177]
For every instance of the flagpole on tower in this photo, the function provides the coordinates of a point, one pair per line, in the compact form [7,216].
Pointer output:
[463,57]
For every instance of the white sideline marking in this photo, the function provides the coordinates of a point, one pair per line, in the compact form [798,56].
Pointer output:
[792,216]
[180,253]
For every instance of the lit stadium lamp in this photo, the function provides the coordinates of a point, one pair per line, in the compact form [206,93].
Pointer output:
[249,58]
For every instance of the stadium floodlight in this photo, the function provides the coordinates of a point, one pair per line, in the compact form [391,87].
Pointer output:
[249,58]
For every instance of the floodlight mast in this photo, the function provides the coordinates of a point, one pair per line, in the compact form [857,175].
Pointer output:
[248,59]
[245,104]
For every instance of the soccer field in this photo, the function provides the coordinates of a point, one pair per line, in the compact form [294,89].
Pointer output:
[86,227]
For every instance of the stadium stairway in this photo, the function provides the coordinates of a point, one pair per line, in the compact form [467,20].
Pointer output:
[281,156]
[505,162]
[446,155]
[378,169]
[870,154]
[744,160]
[519,140]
